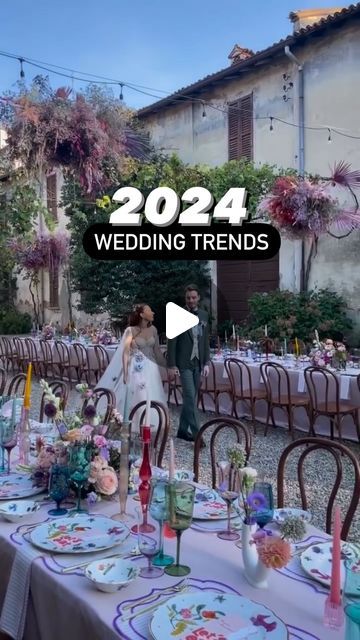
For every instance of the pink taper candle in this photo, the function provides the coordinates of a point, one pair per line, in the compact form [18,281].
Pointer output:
[171,460]
[335,596]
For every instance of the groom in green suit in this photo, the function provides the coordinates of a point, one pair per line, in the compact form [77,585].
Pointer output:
[188,355]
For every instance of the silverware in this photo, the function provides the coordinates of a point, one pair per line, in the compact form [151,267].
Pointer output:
[90,560]
[152,607]
[167,591]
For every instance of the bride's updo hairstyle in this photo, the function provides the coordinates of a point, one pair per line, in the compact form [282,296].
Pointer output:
[135,316]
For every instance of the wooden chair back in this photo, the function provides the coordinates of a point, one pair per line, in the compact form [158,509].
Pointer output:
[340,453]
[217,425]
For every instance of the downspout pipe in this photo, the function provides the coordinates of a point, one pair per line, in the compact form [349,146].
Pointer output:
[301,151]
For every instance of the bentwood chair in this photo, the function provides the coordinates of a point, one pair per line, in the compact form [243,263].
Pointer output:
[340,456]
[35,355]
[60,389]
[217,426]
[16,385]
[2,381]
[104,401]
[242,388]
[279,394]
[324,390]
[212,388]
[161,434]
[63,359]
[102,360]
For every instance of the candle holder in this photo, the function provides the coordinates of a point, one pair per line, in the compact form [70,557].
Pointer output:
[144,486]
[333,614]
[124,473]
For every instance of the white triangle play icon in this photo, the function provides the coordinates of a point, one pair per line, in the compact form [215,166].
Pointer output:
[178,320]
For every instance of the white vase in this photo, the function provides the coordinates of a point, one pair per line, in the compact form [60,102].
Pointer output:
[254,570]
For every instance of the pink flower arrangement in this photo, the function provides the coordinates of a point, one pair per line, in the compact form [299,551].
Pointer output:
[107,482]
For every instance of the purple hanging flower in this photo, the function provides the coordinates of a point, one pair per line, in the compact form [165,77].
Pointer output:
[89,412]
[50,410]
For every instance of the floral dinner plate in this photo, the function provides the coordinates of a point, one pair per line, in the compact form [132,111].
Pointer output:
[213,509]
[316,560]
[216,616]
[280,515]
[16,485]
[79,533]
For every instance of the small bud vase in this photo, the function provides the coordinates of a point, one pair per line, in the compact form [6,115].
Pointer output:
[256,573]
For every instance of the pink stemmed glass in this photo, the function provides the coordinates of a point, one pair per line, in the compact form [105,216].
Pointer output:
[8,438]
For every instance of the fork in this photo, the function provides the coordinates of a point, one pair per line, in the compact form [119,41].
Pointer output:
[146,599]
[184,589]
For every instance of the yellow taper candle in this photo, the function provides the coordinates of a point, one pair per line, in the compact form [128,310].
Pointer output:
[27,393]
[296,347]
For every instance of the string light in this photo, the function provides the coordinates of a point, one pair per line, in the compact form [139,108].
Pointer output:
[178,96]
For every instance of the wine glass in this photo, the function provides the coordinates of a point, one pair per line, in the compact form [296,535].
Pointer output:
[79,469]
[227,492]
[264,509]
[159,510]
[181,506]
[8,437]
[149,545]
[58,487]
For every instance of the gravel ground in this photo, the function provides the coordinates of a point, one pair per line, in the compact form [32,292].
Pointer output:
[265,453]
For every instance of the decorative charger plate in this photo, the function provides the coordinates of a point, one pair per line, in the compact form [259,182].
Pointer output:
[80,533]
[316,560]
[216,616]
[215,509]
[281,514]
[16,485]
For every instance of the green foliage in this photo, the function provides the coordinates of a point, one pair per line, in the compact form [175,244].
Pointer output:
[14,322]
[290,315]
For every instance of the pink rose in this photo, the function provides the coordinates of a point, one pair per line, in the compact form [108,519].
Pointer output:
[107,481]
[86,430]
[96,467]
[100,441]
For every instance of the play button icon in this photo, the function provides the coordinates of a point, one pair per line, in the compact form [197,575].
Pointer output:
[178,320]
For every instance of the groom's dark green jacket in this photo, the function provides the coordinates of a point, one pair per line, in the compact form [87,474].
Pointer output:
[179,349]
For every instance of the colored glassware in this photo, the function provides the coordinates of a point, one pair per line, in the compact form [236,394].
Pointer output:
[58,487]
[181,497]
[145,476]
[262,516]
[159,510]
[148,542]
[8,438]
[79,468]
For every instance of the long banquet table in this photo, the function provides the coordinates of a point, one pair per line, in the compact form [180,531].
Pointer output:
[68,606]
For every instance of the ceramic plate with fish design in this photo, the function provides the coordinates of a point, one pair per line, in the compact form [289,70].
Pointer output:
[216,616]
[316,560]
[79,533]
[280,515]
[213,509]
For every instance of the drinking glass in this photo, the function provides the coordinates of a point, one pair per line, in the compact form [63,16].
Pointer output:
[8,437]
[159,510]
[58,487]
[79,469]
[149,545]
[181,506]
[265,512]
[227,492]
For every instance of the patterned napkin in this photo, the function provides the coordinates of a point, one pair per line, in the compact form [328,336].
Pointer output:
[14,609]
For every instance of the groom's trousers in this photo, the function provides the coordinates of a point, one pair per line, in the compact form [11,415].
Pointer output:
[190,381]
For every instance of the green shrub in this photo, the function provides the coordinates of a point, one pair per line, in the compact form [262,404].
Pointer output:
[14,322]
[290,315]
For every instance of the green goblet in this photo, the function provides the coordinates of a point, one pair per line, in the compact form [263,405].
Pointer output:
[181,506]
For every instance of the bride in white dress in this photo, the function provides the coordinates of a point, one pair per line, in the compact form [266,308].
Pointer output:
[134,370]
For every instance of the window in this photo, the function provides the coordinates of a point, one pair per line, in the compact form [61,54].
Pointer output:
[240,128]
[54,287]
[51,192]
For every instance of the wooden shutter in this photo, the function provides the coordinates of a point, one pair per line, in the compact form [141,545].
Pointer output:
[51,191]
[240,128]
[54,287]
